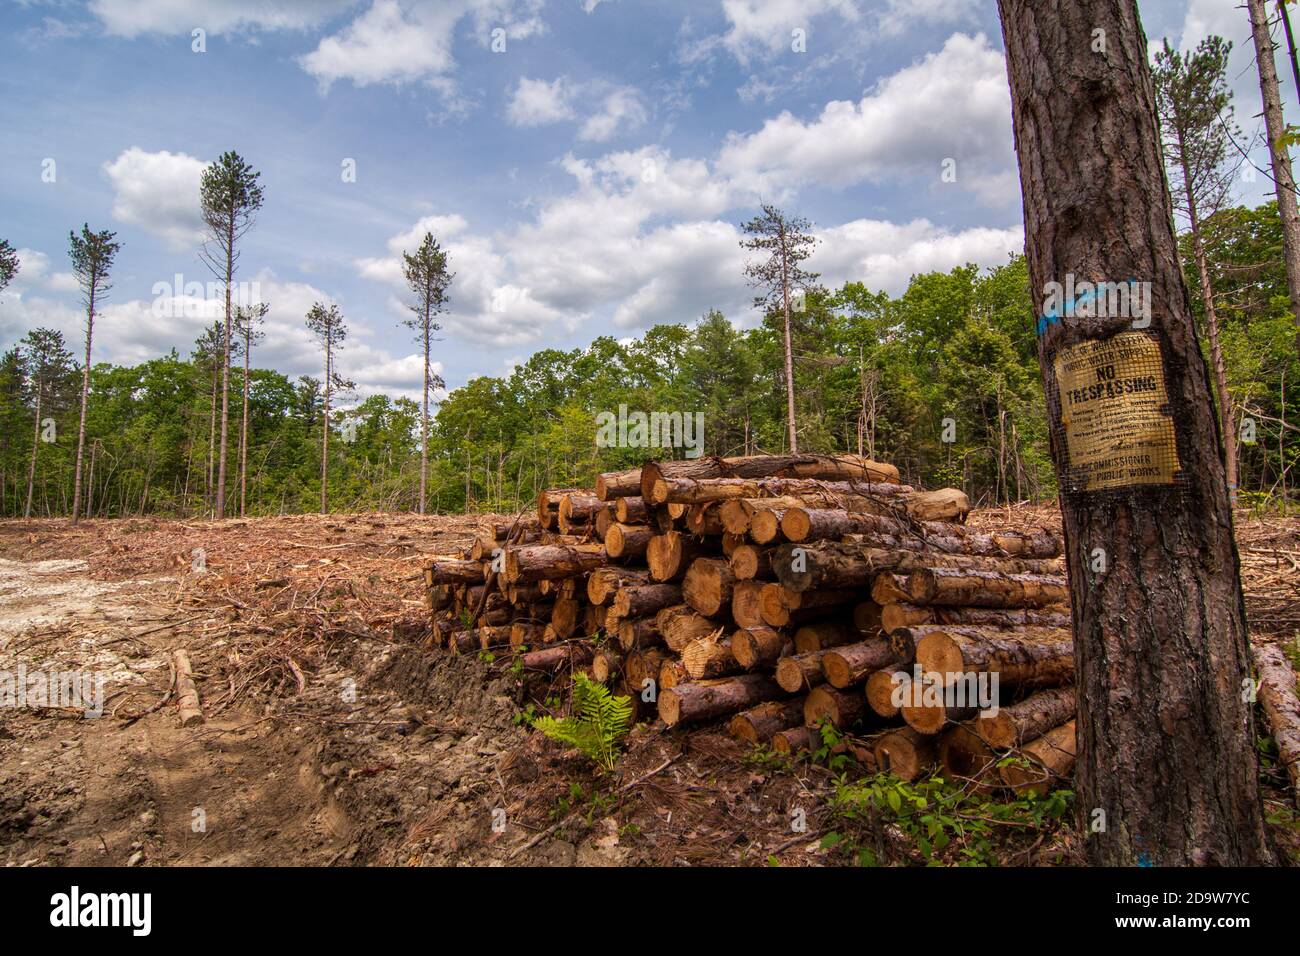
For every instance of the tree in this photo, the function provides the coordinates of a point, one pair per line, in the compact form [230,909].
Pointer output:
[92,255]
[1283,177]
[1195,106]
[47,363]
[427,277]
[247,318]
[8,263]
[230,197]
[326,324]
[1167,772]
[787,243]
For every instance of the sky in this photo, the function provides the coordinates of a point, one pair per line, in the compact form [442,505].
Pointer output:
[586,164]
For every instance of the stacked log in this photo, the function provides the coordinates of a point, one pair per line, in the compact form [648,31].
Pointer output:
[780,593]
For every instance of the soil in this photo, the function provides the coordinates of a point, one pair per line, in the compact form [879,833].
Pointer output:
[334,735]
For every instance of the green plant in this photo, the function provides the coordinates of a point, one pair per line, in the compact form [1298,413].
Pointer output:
[598,722]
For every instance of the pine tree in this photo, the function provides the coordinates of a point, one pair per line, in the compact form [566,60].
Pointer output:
[326,324]
[92,255]
[247,318]
[230,198]
[47,362]
[428,278]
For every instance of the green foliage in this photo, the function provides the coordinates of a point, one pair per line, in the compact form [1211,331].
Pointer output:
[943,823]
[598,722]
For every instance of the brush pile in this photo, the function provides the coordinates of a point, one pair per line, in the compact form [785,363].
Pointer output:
[781,591]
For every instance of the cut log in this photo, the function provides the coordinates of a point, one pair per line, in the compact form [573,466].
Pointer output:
[539,562]
[946,504]
[704,700]
[679,625]
[526,634]
[625,541]
[700,491]
[638,633]
[885,689]
[604,583]
[450,571]
[760,724]
[606,664]
[905,753]
[759,647]
[631,510]
[1050,760]
[564,617]
[985,589]
[553,658]
[745,609]
[645,599]
[765,527]
[1029,656]
[708,586]
[841,708]
[749,561]
[800,672]
[672,673]
[824,634]
[781,606]
[669,555]
[1017,724]
[489,637]
[929,706]
[894,616]
[822,467]
[794,741]
[578,509]
[187,692]
[704,520]
[867,617]
[710,657]
[890,589]
[640,666]
[966,756]
[548,505]
[618,484]
[1281,704]
[849,665]
[604,521]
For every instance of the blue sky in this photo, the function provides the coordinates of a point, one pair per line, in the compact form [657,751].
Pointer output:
[586,163]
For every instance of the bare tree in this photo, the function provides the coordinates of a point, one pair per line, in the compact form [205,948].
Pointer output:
[1283,177]
[326,324]
[247,319]
[1195,106]
[428,278]
[47,362]
[230,197]
[92,255]
[1167,772]
[787,243]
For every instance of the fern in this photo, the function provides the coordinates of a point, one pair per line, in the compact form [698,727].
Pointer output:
[599,721]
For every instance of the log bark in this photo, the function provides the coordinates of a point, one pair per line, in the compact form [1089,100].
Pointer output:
[890,589]
[794,741]
[553,658]
[624,541]
[946,504]
[645,599]
[1050,758]
[618,484]
[631,510]
[759,647]
[1017,724]
[760,724]
[704,700]
[985,589]
[1281,704]
[849,665]
[453,571]
[603,584]
[1027,657]
[841,708]
[1163,631]
[187,693]
[800,672]
[824,467]
[551,562]
[894,616]
[780,606]
[905,753]
[489,637]
[694,491]
[708,586]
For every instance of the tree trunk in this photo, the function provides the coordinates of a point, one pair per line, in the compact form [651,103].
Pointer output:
[760,724]
[243,426]
[701,700]
[1166,742]
[36,444]
[1283,178]
[85,398]
[849,665]
[225,375]
[789,351]
[424,416]
[1278,696]
[325,435]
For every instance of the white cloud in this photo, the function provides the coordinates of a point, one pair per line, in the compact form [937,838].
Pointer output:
[34,272]
[620,110]
[764,27]
[404,41]
[898,16]
[951,104]
[537,103]
[130,18]
[158,192]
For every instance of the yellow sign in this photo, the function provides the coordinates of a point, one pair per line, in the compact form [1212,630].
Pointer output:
[1114,411]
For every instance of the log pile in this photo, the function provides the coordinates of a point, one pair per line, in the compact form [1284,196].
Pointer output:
[780,591]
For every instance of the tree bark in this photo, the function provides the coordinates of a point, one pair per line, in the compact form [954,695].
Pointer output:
[701,700]
[1166,742]
[1283,177]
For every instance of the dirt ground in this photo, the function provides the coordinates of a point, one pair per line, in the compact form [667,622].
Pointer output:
[334,736]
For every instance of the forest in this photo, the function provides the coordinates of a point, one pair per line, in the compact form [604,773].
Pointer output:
[874,373]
